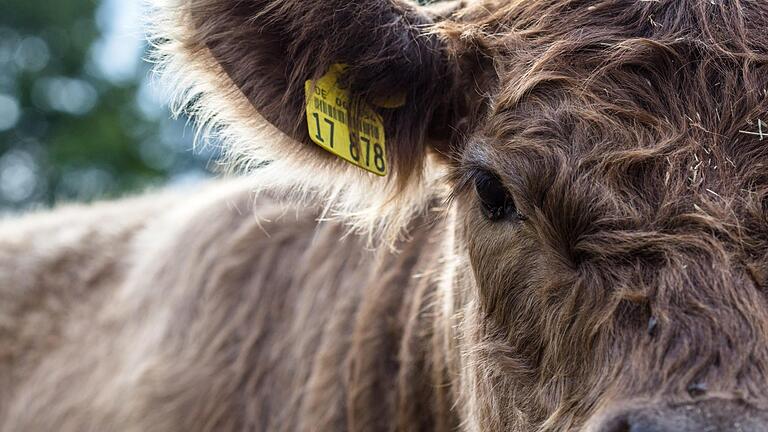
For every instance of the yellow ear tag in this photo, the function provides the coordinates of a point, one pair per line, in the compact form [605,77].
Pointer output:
[329,124]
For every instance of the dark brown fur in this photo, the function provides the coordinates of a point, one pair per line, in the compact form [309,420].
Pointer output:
[633,290]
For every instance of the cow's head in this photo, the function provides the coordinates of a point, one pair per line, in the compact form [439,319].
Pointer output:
[607,177]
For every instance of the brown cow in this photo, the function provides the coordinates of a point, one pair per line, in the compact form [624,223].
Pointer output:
[573,235]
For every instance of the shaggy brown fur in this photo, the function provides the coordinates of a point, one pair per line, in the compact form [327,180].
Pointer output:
[264,323]
[629,291]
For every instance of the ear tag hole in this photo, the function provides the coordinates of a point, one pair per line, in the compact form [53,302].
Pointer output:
[361,142]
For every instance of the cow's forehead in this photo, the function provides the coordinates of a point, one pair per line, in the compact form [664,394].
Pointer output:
[660,68]
[640,107]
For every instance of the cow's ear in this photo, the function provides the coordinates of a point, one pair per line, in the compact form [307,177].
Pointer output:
[244,61]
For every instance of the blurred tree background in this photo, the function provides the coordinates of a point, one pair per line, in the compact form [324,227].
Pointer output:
[80,118]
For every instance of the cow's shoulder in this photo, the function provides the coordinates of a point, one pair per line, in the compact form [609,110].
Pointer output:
[56,264]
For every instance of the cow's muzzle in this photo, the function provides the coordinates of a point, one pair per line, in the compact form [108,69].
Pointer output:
[713,415]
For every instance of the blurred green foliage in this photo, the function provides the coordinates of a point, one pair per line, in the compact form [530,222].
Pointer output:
[79,118]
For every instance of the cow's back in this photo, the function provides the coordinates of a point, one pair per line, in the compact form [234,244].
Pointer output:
[226,314]
[56,268]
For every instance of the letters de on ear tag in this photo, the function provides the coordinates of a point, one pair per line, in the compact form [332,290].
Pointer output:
[330,126]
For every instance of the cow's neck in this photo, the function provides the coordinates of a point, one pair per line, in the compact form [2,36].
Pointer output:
[400,356]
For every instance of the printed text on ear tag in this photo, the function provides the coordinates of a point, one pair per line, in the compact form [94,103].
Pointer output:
[329,124]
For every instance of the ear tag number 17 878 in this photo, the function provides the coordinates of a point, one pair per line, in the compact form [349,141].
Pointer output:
[329,124]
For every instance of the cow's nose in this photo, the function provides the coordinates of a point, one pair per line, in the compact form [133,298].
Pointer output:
[711,416]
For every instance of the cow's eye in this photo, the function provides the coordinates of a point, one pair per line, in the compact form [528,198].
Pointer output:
[495,201]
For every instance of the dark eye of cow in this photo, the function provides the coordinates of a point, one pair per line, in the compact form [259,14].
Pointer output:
[496,202]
